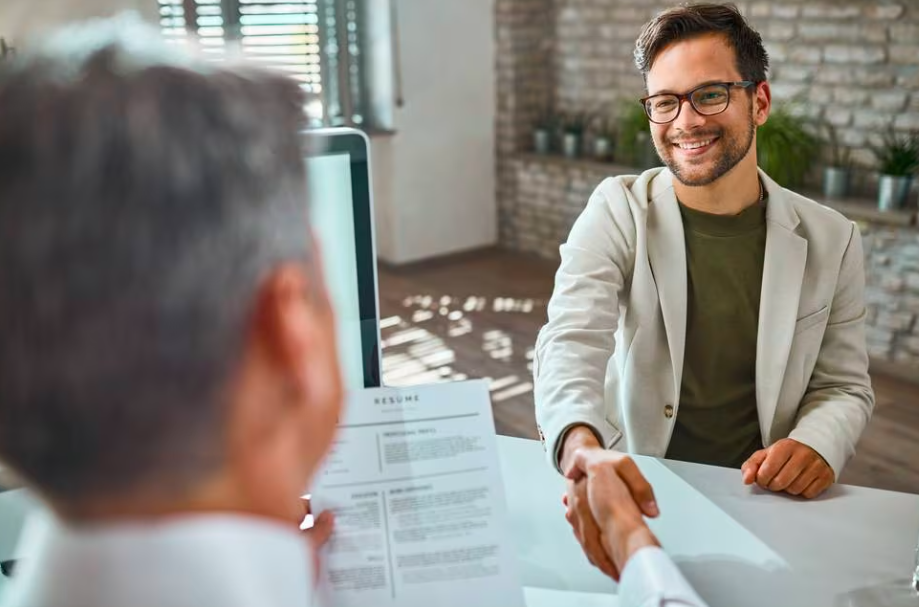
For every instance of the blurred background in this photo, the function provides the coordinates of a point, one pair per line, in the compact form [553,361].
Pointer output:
[491,121]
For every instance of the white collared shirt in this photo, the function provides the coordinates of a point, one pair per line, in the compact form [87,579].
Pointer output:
[192,561]
[651,579]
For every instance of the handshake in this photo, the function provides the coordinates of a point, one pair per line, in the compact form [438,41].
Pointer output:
[606,502]
[608,499]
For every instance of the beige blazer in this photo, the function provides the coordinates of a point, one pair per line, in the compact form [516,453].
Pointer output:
[611,354]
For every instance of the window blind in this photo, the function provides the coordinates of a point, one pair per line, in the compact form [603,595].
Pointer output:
[316,42]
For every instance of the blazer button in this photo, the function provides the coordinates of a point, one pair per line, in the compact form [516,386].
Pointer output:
[668,411]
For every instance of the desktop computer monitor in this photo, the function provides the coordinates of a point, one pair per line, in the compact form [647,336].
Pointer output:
[338,174]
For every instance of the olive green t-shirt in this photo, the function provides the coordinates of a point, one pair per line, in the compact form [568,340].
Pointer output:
[717,420]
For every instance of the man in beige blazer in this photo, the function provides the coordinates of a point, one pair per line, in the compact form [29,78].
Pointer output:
[701,311]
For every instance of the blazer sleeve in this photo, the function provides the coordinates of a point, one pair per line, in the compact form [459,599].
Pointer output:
[839,399]
[574,347]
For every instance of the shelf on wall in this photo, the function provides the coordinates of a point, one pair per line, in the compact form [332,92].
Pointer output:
[856,209]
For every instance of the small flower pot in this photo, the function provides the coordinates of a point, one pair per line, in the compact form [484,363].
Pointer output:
[571,145]
[603,149]
[893,191]
[835,182]
[542,141]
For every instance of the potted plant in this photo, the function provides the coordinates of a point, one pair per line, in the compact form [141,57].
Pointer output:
[543,128]
[573,127]
[635,145]
[898,161]
[785,147]
[836,175]
[604,140]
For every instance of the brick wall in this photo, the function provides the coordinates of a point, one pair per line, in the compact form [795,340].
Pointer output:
[892,293]
[523,49]
[549,194]
[855,62]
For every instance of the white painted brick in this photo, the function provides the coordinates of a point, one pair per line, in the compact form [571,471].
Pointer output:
[891,101]
[760,9]
[839,53]
[904,32]
[787,91]
[838,117]
[795,73]
[805,54]
[827,31]
[906,54]
[909,79]
[830,11]
[907,122]
[884,11]
[779,30]
[786,11]
[851,96]
[778,53]
[896,321]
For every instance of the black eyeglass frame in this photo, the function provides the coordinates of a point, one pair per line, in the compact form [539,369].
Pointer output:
[681,97]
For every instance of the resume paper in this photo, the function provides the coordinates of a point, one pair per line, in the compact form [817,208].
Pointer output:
[415,484]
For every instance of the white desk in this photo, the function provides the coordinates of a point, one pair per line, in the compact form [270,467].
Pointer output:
[740,547]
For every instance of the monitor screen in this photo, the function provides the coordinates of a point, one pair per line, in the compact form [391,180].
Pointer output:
[332,216]
[341,215]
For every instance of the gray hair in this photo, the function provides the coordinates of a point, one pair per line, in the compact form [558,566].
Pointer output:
[143,198]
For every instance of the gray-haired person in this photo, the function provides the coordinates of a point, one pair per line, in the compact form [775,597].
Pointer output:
[168,369]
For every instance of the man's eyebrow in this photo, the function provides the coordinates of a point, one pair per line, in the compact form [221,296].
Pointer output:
[672,92]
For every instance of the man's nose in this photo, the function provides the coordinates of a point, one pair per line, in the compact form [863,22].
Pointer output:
[689,118]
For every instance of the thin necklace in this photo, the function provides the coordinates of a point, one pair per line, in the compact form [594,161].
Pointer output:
[762,190]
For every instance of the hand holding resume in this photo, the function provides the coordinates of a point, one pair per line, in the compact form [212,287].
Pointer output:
[415,484]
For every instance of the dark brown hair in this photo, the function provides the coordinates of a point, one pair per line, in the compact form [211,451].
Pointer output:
[690,21]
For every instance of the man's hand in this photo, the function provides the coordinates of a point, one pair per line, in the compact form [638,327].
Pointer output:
[575,438]
[318,535]
[578,515]
[789,466]
[606,498]
[577,510]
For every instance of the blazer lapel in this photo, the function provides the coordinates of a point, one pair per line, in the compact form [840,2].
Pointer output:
[667,256]
[783,273]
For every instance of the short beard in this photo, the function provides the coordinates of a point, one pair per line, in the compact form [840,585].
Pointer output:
[731,158]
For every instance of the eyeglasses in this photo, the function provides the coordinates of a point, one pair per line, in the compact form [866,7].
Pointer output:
[707,100]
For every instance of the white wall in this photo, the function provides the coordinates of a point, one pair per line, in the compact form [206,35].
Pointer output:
[20,19]
[439,195]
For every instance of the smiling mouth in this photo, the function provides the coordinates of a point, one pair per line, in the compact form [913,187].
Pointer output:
[695,145]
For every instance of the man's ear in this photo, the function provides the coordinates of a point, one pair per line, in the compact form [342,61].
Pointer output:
[762,103]
[299,332]
[282,321]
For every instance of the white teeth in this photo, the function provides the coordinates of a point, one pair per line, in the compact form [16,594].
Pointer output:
[695,145]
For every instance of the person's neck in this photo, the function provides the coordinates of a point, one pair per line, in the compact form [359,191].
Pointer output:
[731,194]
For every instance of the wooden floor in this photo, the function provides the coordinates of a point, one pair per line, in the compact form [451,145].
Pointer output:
[477,317]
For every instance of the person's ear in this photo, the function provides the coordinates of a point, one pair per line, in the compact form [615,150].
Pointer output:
[287,394]
[762,103]
[298,331]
